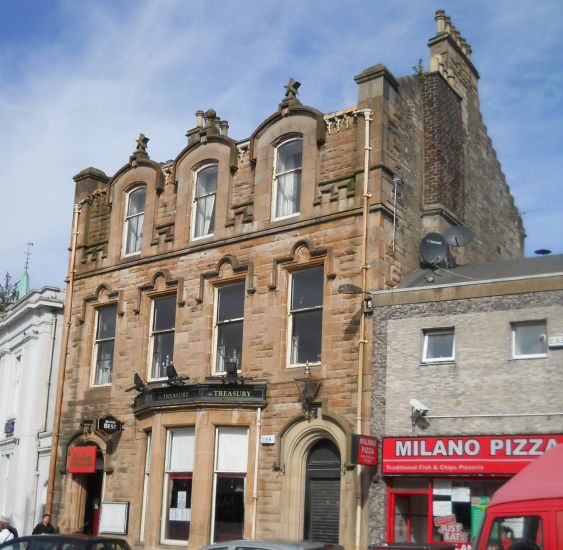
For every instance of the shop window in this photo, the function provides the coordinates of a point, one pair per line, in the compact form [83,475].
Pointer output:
[133,223]
[522,532]
[204,200]
[305,315]
[162,334]
[229,327]
[287,178]
[177,503]
[439,510]
[231,455]
[146,479]
[438,345]
[104,344]
[529,339]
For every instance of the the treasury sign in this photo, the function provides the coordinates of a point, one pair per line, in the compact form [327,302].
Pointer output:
[467,455]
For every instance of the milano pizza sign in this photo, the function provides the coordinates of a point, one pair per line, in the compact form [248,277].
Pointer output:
[473,455]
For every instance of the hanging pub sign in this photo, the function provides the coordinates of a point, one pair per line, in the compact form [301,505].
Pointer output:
[82,460]
[364,450]
[453,455]
[109,424]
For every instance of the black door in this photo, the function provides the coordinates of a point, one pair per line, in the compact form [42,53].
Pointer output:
[322,493]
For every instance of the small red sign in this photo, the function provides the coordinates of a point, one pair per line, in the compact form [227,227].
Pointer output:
[473,455]
[364,450]
[82,460]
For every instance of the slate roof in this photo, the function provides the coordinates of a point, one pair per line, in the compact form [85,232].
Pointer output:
[510,269]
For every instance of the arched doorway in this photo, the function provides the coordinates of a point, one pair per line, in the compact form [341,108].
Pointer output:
[322,493]
[90,477]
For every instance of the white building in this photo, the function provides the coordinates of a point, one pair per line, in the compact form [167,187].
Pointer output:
[30,338]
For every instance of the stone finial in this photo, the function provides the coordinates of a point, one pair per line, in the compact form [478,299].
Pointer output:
[291,89]
[142,142]
[210,116]
[199,119]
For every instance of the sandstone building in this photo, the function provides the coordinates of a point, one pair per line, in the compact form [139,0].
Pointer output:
[467,385]
[223,266]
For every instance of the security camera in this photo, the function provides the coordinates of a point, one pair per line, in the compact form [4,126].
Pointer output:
[419,407]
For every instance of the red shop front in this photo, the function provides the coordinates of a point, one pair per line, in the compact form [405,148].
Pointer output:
[439,487]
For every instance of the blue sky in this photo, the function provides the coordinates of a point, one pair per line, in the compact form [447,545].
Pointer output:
[80,80]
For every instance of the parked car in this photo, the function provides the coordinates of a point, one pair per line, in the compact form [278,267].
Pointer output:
[272,545]
[65,542]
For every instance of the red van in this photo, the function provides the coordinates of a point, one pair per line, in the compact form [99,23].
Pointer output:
[526,513]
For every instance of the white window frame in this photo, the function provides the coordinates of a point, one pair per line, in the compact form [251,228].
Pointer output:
[433,332]
[153,333]
[196,200]
[276,175]
[166,482]
[146,480]
[97,343]
[513,330]
[217,324]
[217,472]
[290,316]
[127,219]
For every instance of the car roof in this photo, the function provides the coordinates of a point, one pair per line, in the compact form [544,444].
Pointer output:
[83,540]
[273,545]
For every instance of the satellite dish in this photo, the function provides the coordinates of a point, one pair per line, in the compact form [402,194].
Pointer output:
[458,235]
[433,248]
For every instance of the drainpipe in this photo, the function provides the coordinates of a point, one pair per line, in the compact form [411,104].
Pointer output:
[367,114]
[62,365]
[256,458]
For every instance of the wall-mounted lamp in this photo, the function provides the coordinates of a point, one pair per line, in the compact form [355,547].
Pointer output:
[349,288]
[173,378]
[138,384]
[308,388]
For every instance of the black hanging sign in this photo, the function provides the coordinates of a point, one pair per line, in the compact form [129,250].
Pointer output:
[109,424]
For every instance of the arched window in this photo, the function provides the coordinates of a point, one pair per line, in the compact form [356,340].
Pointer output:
[133,223]
[287,178]
[205,191]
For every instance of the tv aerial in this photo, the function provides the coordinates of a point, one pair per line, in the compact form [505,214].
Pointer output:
[433,248]
[458,235]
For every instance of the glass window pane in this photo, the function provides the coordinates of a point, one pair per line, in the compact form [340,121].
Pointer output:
[290,155]
[530,338]
[164,313]
[307,288]
[229,345]
[229,508]
[288,198]
[134,234]
[439,345]
[232,450]
[178,518]
[230,302]
[163,353]
[306,337]
[104,362]
[205,216]
[206,181]
[106,322]
[136,201]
